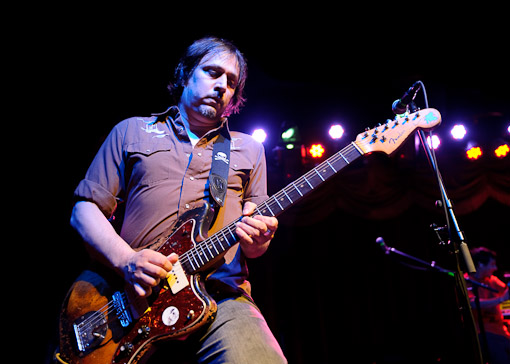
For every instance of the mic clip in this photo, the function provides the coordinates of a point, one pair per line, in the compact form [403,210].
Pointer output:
[441,233]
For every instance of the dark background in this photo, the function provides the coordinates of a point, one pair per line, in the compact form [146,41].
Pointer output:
[327,291]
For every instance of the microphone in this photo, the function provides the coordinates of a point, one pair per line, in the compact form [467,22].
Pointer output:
[400,106]
[380,241]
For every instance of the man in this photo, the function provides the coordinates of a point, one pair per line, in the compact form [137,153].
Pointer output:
[496,337]
[159,167]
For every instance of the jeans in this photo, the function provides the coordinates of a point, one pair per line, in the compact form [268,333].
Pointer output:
[239,334]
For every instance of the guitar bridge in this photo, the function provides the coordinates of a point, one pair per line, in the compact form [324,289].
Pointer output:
[90,330]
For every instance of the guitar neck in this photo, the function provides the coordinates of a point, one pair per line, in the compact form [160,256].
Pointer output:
[221,241]
[305,184]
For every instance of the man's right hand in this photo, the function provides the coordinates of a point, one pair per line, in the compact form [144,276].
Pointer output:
[145,268]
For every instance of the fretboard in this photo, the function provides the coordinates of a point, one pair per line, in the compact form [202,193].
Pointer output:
[212,247]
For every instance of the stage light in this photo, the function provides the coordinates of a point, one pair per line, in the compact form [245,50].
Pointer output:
[458,131]
[435,142]
[474,152]
[316,150]
[502,151]
[336,131]
[508,129]
[290,135]
[259,135]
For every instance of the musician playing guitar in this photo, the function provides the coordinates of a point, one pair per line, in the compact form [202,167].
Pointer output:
[195,206]
[159,168]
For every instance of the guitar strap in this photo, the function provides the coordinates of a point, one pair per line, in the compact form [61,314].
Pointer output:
[218,176]
[217,183]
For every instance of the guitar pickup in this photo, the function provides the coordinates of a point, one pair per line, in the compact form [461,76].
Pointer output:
[120,307]
[177,279]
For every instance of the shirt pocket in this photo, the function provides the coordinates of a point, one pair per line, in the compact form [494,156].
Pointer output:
[148,162]
[239,172]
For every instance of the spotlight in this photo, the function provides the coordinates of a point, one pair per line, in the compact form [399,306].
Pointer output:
[502,151]
[474,152]
[336,131]
[458,131]
[259,135]
[316,150]
[435,142]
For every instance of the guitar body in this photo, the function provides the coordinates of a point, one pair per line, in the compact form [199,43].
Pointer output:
[102,322]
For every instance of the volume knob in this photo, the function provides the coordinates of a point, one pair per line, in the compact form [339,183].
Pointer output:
[144,331]
[127,348]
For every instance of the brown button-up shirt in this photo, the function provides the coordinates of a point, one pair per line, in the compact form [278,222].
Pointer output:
[150,165]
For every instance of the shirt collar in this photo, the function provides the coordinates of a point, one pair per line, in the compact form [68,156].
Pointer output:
[173,115]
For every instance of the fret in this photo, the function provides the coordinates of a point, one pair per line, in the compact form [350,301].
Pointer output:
[211,255]
[224,238]
[271,211]
[219,242]
[308,182]
[341,155]
[231,234]
[334,170]
[287,196]
[203,251]
[297,189]
[193,256]
[324,169]
[214,246]
[186,263]
[281,208]
[322,178]
[198,254]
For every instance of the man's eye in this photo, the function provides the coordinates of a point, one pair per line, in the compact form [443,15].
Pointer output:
[232,83]
[212,72]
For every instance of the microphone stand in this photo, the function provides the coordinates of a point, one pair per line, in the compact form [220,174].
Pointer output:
[459,244]
[433,266]
[390,250]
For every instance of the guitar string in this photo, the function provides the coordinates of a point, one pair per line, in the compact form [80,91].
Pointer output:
[282,193]
[110,307]
[335,158]
[100,314]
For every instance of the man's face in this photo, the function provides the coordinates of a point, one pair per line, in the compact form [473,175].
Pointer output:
[210,89]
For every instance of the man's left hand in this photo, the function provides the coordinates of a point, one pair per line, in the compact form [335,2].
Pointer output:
[255,233]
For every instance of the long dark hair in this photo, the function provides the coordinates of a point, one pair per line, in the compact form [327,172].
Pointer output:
[191,59]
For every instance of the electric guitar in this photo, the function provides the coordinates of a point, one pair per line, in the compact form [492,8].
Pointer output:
[104,322]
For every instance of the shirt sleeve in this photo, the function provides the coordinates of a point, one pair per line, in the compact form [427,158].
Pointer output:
[102,182]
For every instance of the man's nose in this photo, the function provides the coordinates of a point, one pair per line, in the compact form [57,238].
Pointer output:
[221,85]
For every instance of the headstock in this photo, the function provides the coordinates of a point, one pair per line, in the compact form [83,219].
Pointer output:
[389,136]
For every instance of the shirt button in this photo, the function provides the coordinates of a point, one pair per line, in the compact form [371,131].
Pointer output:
[199,154]
[187,205]
[191,178]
